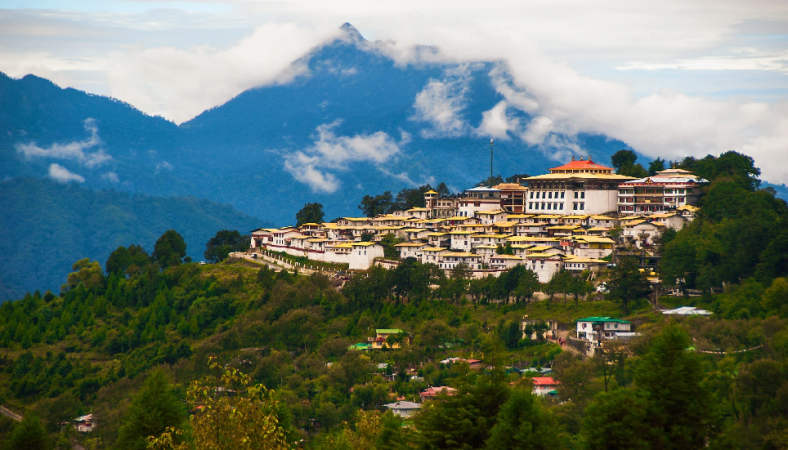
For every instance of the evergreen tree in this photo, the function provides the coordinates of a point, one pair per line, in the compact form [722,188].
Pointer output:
[28,435]
[310,213]
[170,249]
[622,419]
[523,423]
[672,377]
[155,408]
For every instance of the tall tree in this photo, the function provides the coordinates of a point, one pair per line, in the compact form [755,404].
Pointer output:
[154,409]
[223,243]
[310,213]
[170,249]
[627,283]
[672,377]
[122,258]
[517,178]
[625,163]
[623,418]
[656,166]
[523,423]
[376,205]
[86,272]
[28,435]
[443,190]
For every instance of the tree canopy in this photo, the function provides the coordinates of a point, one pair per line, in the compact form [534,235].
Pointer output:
[310,213]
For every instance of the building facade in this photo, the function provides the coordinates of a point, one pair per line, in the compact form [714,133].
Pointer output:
[668,190]
[580,187]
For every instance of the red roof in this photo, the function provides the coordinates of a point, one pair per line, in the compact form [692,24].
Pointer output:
[433,391]
[580,165]
[545,381]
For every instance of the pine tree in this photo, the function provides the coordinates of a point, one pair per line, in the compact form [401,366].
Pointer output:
[523,424]
[28,435]
[155,408]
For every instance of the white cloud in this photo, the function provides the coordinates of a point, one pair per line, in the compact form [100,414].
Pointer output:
[441,104]
[75,151]
[334,153]
[163,165]
[496,123]
[744,59]
[181,83]
[63,175]
[111,176]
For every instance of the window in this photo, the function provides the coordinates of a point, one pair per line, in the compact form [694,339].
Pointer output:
[542,206]
[574,205]
[582,206]
[530,205]
[583,194]
[562,194]
[532,195]
[576,194]
[549,195]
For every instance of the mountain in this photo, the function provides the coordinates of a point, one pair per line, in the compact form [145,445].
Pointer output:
[48,226]
[354,122]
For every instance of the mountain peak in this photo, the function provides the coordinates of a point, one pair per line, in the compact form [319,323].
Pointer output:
[351,32]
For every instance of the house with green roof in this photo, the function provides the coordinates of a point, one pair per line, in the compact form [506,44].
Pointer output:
[381,338]
[595,329]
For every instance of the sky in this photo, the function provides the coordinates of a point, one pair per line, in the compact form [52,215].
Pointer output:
[670,78]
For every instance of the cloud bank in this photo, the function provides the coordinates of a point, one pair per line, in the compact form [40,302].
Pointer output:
[329,153]
[63,175]
[634,71]
[75,151]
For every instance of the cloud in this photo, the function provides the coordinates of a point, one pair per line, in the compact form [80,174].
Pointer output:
[63,175]
[496,123]
[75,151]
[334,153]
[441,103]
[163,165]
[181,83]
[111,176]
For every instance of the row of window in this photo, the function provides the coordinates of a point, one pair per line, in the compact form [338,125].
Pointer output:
[550,194]
[556,206]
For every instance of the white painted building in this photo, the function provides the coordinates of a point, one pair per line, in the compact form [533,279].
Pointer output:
[578,187]
[363,253]
[479,199]
[666,191]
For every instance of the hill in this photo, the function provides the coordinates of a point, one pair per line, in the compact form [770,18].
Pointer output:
[47,226]
[354,122]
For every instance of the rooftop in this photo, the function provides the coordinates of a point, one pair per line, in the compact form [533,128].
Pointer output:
[602,319]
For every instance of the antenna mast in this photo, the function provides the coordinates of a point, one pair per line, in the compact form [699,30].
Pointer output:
[491,161]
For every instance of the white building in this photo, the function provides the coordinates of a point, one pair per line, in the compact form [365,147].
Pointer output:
[579,187]
[544,386]
[545,265]
[479,199]
[403,409]
[594,329]
[666,191]
[363,253]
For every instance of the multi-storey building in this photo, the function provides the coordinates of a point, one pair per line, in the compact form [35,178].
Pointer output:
[440,207]
[512,197]
[668,190]
[580,187]
[479,199]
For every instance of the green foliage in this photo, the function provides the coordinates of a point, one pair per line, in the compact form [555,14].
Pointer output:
[92,223]
[223,243]
[133,258]
[154,409]
[170,249]
[655,166]
[28,435]
[310,213]
[376,205]
[621,419]
[463,421]
[627,283]
[523,423]
[625,163]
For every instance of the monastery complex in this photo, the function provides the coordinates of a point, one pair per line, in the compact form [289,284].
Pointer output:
[560,220]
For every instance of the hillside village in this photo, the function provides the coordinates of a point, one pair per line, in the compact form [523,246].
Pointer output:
[571,218]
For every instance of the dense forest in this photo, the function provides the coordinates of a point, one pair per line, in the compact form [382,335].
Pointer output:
[47,226]
[235,355]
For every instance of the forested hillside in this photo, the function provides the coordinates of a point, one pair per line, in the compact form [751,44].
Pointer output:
[152,345]
[47,226]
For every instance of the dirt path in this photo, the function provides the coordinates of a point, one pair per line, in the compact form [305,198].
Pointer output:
[10,414]
[565,336]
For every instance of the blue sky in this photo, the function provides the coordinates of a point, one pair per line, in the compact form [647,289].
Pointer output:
[667,76]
